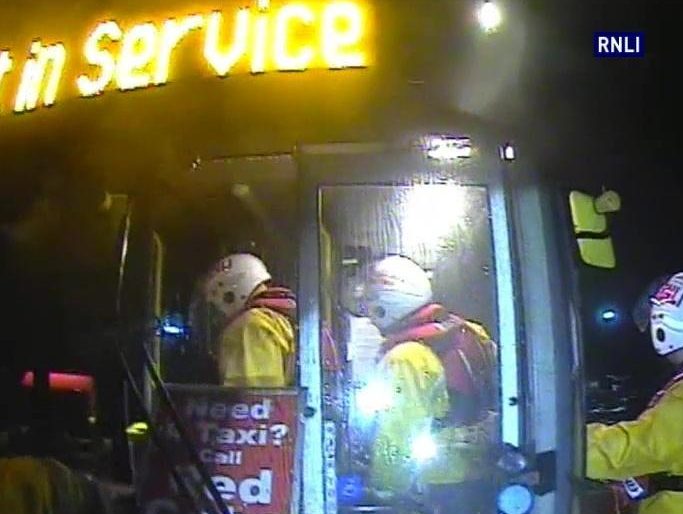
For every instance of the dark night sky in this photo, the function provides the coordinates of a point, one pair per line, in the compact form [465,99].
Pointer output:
[618,123]
[624,107]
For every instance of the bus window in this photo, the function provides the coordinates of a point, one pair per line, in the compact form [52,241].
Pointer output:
[224,208]
[408,324]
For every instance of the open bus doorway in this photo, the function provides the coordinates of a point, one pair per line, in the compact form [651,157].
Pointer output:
[219,208]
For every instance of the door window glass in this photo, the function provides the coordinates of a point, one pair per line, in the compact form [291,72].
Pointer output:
[409,326]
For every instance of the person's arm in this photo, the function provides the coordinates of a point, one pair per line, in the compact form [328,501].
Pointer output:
[636,448]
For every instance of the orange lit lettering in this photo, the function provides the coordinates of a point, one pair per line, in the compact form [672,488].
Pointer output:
[171,34]
[284,60]
[294,35]
[96,56]
[258,51]
[222,62]
[137,53]
[342,32]
[5,65]
[44,60]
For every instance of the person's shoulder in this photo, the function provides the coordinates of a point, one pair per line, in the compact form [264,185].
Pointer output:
[263,312]
[264,317]
[254,312]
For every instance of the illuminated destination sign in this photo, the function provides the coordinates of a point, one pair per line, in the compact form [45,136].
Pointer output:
[292,36]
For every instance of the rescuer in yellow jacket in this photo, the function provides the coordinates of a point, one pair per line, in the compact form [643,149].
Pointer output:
[257,346]
[433,392]
[645,456]
[30,485]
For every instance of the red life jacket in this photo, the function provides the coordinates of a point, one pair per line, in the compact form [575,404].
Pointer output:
[278,299]
[468,364]
[283,301]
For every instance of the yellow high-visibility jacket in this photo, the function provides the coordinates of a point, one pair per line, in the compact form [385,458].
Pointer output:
[258,350]
[651,444]
[44,486]
[416,375]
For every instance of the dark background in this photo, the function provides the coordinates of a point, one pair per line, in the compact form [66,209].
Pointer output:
[617,121]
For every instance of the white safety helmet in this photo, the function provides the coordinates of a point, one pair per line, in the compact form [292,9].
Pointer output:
[232,281]
[395,287]
[666,317]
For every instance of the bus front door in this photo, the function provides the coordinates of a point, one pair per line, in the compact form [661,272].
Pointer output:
[381,395]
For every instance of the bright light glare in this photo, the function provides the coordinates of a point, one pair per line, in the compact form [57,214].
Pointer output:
[449,148]
[609,315]
[374,397]
[432,213]
[171,330]
[490,16]
[423,447]
[449,153]
[508,153]
[515,499]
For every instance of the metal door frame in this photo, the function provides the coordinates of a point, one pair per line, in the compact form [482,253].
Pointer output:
[551,337]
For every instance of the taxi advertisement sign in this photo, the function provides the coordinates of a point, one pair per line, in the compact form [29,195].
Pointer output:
[246,439]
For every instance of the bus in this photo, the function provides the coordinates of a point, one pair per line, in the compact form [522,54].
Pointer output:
[318,135]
